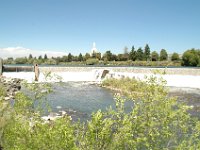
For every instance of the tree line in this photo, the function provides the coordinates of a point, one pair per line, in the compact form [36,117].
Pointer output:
[189,57]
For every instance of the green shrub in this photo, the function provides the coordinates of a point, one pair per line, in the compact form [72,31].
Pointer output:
[175,57]
[92,61]
[156,121]
[2,91]
[191,58]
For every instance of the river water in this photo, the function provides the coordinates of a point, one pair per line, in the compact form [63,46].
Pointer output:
[80,99]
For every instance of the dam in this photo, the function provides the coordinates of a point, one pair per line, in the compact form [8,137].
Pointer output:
[175,77]
[78,98]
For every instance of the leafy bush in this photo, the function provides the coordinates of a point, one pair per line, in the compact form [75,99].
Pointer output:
[4,112]
[163,55]
[92,61]
[155,122]
[175,57]
[191,58]
[2,91]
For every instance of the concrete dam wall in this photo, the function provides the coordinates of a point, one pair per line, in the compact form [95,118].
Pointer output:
[175,77]
[170,71]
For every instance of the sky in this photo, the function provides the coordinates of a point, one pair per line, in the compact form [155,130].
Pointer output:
[57,27]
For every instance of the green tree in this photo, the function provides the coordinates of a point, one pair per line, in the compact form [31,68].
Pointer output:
[80,57]
[87,56]
[114,57]
[175,57]
[30,56]
[132,54]
[98,56]
[58,60]
[45,56]
[154,56]
[140,54]
[191,58]
[9,60]
[64,58]
[147,52]
[93,55]
[69,57]
[108,56]
[75,58]
[40,57]
[21,60]
[163,55]
[51,61]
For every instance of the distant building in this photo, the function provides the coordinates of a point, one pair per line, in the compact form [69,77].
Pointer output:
[94,49]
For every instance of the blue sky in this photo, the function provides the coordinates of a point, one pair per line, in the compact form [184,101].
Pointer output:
[73,25]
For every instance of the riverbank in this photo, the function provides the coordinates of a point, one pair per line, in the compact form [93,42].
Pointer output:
[11,86]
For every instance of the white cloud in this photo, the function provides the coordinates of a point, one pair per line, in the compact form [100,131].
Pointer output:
[22,52]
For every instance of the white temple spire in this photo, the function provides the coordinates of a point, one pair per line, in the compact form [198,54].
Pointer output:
[94,49]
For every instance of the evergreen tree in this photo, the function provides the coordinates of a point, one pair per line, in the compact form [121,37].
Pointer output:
[69,57]
[108,55]
[80,57]
[147,52]
[30,56]
[40,57]
[45,56]
[140,54]
[132,54]
[163,55]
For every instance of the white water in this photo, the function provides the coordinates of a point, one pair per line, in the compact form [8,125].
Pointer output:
[95,76]
[188,81]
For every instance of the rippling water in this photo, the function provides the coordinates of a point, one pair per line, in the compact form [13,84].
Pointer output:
[80,99]
[190,96]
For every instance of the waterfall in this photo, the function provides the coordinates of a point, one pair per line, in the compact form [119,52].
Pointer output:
[28,76]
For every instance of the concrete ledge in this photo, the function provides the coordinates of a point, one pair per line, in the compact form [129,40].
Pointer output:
[172,71]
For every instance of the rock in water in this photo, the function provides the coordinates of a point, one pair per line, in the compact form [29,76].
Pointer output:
[11,85]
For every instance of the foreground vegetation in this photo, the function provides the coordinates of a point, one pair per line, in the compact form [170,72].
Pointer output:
[155,122]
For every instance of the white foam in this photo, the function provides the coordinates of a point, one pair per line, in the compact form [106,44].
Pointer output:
[28,76]
[93,76]
[189,81]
